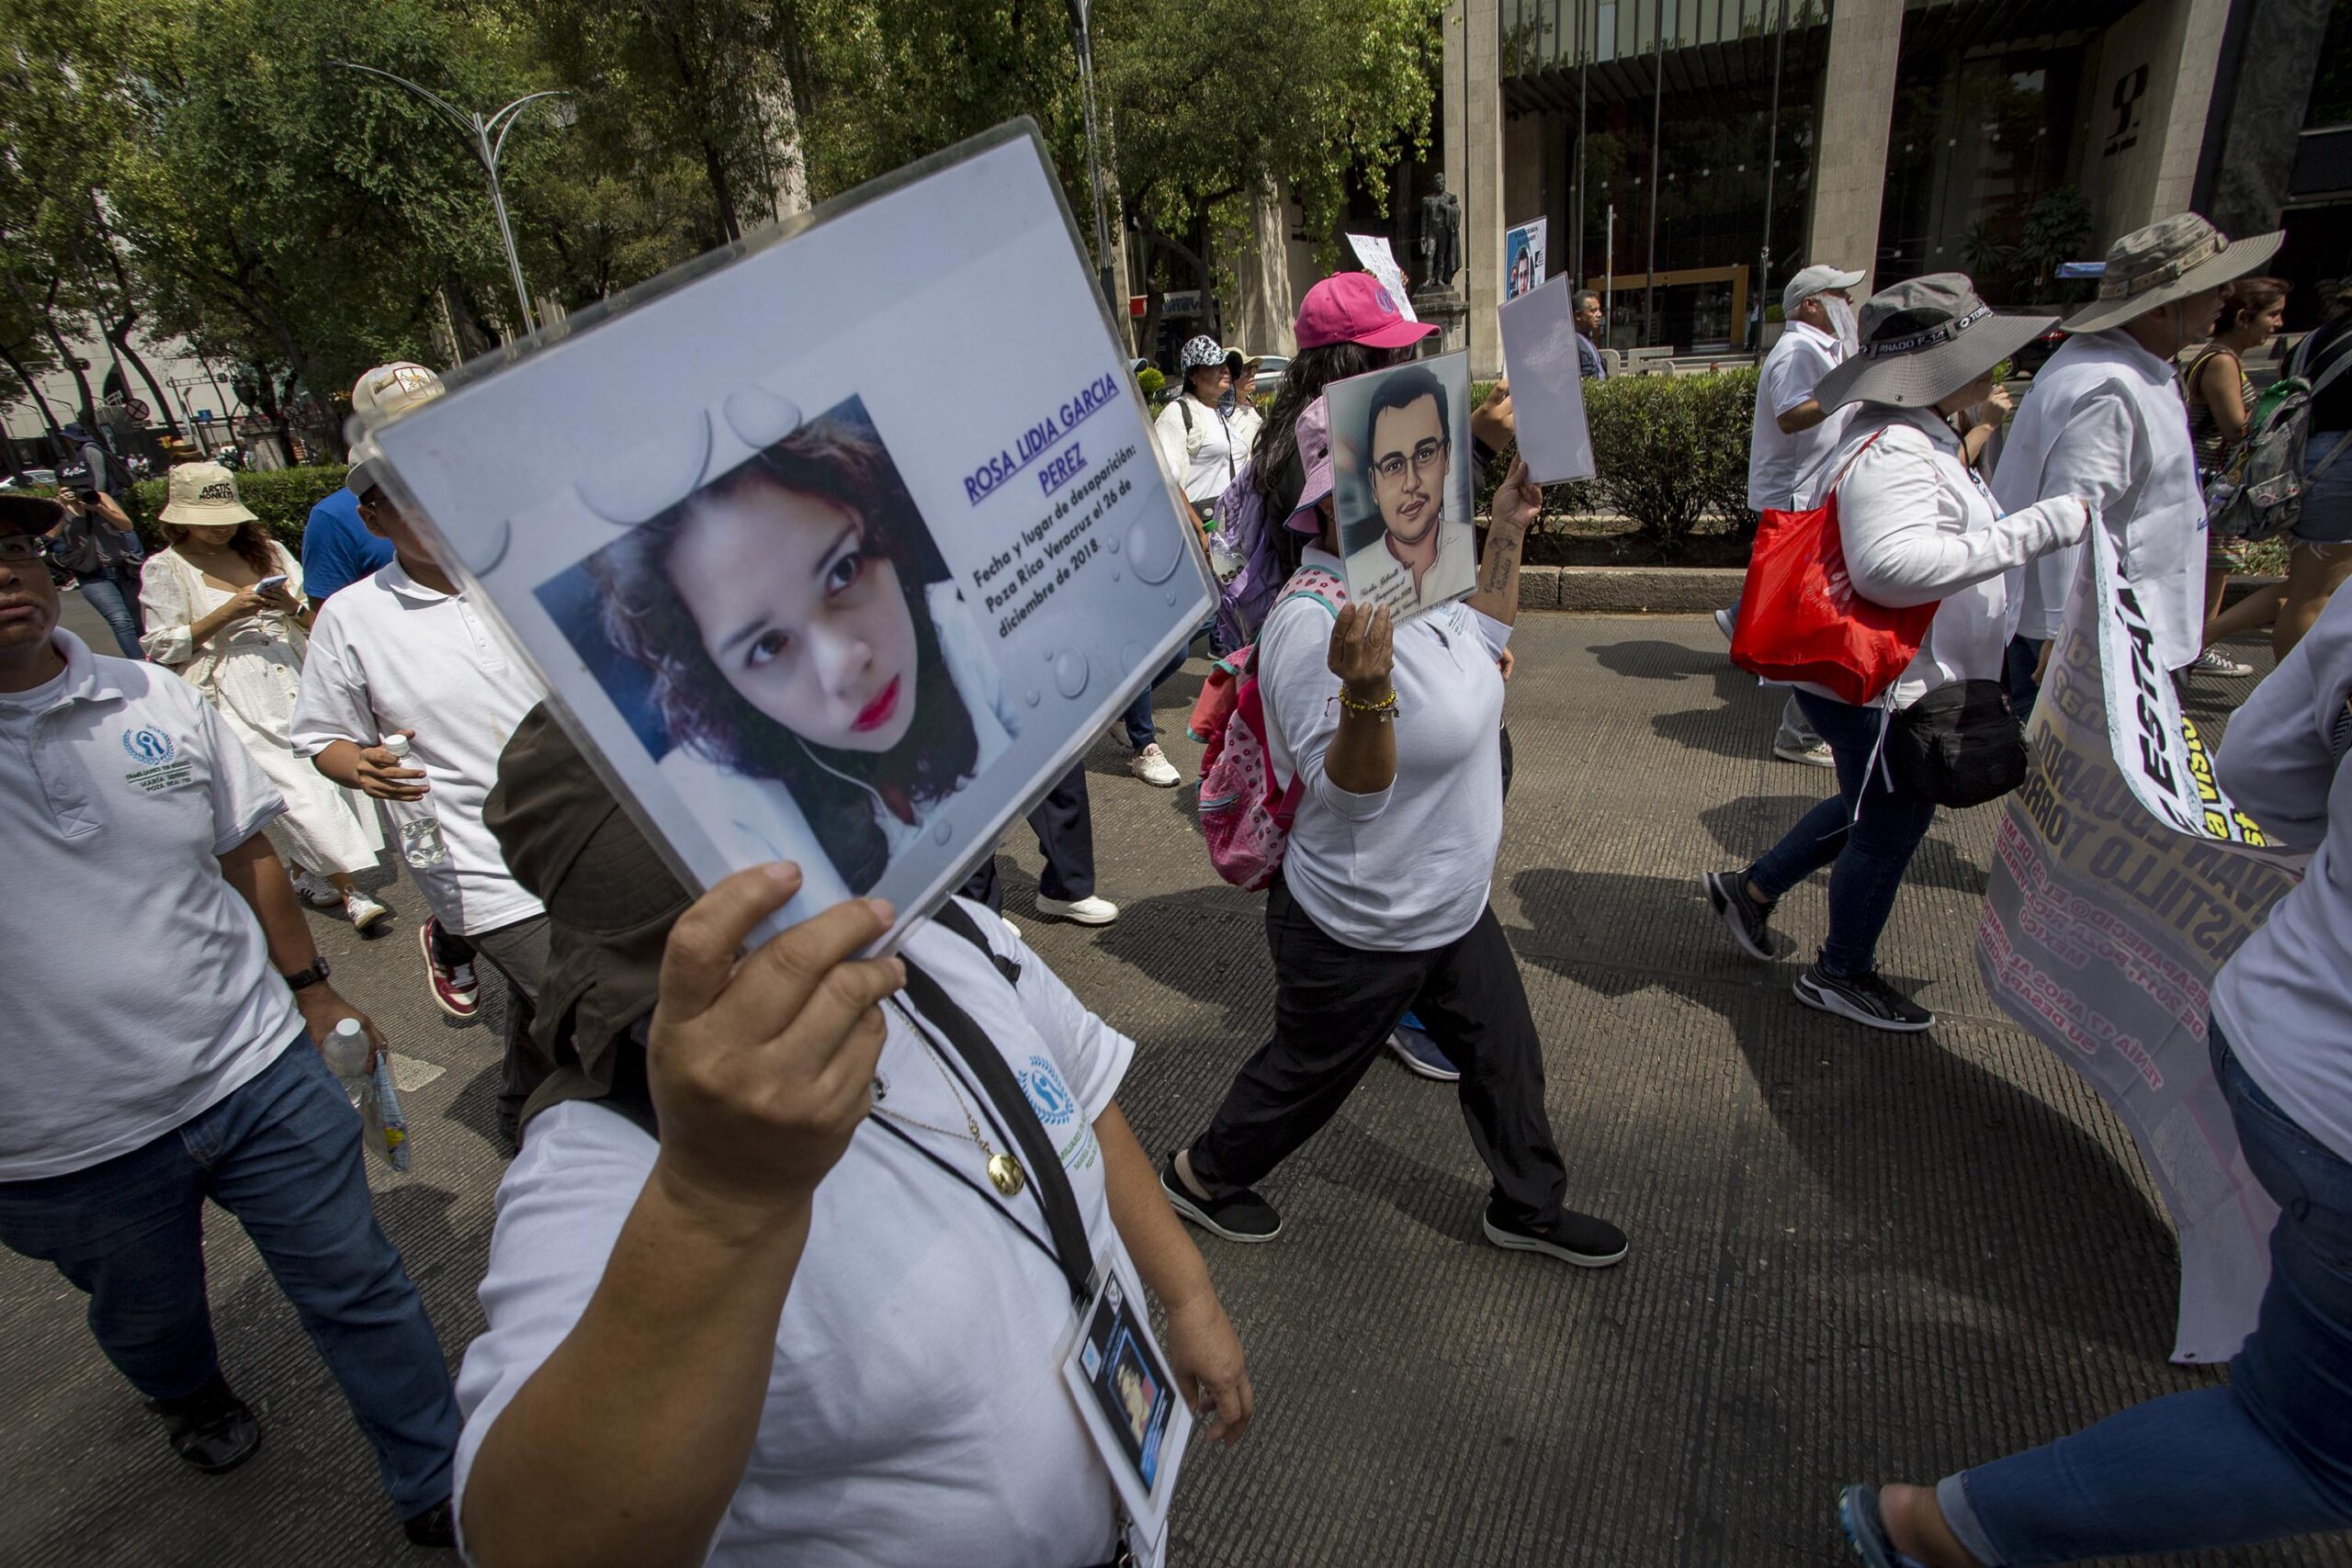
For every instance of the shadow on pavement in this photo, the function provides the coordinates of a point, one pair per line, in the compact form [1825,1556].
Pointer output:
[1936,1159]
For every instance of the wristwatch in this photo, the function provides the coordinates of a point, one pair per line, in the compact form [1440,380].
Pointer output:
[302,979]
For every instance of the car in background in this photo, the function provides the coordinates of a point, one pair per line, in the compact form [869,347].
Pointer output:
[1271,368]
[31,479]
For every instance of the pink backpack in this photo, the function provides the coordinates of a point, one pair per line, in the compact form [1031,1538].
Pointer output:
[1244,817]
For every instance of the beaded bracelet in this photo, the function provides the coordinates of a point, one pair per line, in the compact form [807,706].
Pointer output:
[1385,708]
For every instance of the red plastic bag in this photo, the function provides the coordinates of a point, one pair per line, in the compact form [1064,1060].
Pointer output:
[1799,618]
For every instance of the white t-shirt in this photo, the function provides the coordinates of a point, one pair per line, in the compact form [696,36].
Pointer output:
[2284,998]
[1778,462]
[915,1413]
[1408,868]
[388,653]
[1199,444]
[146,993]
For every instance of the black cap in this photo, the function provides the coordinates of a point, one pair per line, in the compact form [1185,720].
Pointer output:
[28,513]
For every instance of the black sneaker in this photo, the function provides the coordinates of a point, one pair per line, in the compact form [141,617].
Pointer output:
[1748,920]
[1581,1239]
[435,1529]
[1865,998]
[213,1430]
[1240,1217]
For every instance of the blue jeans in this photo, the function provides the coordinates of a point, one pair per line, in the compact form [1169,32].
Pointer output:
[114,594]
[2018,662]
[2268,1455]
[1867,856]
[1141,732]
[282,1152]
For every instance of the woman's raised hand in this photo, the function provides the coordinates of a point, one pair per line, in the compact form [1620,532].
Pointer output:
[1361,653]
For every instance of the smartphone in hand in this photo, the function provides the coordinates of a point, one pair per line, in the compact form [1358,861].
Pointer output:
[273,583]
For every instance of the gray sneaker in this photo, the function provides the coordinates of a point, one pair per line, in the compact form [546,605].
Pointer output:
[2213,661]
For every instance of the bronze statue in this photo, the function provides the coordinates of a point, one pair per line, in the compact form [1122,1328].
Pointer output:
[1440,235]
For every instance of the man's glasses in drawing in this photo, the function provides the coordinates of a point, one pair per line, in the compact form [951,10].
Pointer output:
[1391,468]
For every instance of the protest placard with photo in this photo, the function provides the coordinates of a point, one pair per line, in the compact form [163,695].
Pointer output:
[2122,880]
[1523,252]
[1401,469]
[837,546]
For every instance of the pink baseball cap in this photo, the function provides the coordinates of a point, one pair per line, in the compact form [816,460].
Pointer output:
[1312,434]
[1355,307]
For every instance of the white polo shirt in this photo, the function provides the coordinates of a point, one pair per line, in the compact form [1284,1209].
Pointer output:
[1778,462]
[388,653]
[915,1411]
[149,995]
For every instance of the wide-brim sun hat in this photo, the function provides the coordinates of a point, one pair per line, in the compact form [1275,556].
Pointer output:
[204,495]
[1924,339]
[1355,307]
[2168,260]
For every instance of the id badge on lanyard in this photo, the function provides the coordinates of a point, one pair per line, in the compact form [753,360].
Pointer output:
[1129,1402]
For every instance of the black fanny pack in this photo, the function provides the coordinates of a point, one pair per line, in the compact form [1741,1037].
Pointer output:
[1959,745]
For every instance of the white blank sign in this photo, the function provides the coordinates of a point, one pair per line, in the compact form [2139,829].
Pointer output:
[1538,333]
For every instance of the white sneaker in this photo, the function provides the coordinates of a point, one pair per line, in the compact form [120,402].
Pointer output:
[364,911]
[1726,622]
[1089,910]
[316,890]
[1152,766]
[1817,755]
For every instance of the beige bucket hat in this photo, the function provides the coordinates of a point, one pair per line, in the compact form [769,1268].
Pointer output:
[2170,259]
[204,494]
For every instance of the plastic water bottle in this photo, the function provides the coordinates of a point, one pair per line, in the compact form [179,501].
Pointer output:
[420,841]
[346,1055]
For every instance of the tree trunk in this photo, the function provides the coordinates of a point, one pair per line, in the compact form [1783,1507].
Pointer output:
[48,414]
[120,335]
[474,337]
[87,410]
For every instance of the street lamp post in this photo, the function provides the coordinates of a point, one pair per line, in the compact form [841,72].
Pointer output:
[1085,41]
[486,139]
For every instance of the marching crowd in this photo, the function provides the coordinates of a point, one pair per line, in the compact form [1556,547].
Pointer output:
[792,1240]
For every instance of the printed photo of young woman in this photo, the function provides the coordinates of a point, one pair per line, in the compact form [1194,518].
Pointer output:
[792,649]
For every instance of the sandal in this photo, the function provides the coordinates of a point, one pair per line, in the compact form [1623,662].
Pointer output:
[1858,1516]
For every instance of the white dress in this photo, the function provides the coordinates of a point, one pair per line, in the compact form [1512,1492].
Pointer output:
[252,669]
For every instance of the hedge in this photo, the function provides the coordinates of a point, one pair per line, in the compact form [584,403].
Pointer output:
[1669,451]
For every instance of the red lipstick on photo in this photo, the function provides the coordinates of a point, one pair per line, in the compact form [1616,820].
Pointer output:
[876,714]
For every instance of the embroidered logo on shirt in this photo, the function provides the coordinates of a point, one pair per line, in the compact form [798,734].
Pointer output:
[1057,1109]
[1044,1087]
[159,766]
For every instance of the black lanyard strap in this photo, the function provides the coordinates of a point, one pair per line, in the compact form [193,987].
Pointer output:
[1018,1120]
[882,1120]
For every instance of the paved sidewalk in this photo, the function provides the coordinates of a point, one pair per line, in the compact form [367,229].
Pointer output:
[1854,1256]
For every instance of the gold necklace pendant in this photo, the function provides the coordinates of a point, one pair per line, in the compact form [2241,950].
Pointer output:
[1006,1175]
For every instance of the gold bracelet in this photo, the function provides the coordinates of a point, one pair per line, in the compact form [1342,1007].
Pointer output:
[1385,708]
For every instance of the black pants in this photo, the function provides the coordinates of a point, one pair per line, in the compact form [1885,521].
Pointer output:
[1334,1005]
[1065,830]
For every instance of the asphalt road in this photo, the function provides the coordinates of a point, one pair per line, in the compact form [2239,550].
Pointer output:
[1855,1256]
